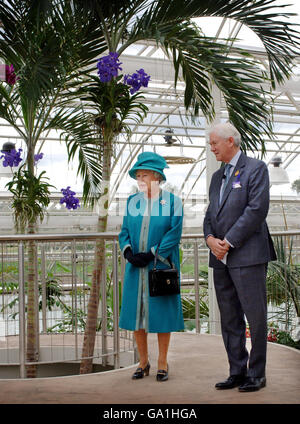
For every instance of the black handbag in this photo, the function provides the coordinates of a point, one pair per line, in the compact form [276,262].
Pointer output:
[163,282]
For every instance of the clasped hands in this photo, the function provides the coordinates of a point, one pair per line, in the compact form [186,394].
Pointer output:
[140,260]
[218,247]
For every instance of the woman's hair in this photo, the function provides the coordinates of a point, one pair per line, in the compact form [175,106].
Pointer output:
[226,130]
[157,175]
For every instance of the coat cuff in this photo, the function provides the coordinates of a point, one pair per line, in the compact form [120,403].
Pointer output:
[206,237]
[124,248]
[160,258]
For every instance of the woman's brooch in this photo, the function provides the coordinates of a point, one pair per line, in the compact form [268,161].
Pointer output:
[236,183]
[163,202]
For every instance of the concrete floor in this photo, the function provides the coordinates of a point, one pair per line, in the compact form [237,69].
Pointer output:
[196,363]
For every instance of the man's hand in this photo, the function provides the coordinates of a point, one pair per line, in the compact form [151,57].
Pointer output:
[218,247]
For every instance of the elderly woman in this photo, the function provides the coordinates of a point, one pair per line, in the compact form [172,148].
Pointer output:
[153,219]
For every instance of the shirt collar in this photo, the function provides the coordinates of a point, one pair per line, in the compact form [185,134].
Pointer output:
[235,159]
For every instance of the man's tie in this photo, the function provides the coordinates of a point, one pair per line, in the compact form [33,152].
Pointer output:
[227,176]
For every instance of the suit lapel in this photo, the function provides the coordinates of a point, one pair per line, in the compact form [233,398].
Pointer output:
[217,186]
[240,164]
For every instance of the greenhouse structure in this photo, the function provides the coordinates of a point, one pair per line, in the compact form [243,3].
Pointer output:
[70,132]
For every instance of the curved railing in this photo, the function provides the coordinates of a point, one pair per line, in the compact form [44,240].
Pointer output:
[64,264]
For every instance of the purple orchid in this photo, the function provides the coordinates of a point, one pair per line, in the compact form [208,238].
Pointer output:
[108,67]
[10,75]
[37,157]
[137,80]
[11,157]
[69,199]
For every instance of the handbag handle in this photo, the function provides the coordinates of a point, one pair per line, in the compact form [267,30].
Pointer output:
[155,258]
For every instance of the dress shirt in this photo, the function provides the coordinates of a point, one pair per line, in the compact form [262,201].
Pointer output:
[233,162]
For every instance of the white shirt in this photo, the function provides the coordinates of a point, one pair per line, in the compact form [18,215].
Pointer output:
[233,162]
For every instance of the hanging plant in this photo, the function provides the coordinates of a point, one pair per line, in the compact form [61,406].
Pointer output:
[31,196]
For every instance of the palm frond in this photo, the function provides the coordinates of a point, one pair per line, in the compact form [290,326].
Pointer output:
[77,130]
[47,48]
[279,37]
[239,77]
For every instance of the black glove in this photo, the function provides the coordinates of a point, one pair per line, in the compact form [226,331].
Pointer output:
[139,260]
[146,257]
[128,253]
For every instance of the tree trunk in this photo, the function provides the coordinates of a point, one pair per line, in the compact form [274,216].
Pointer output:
[86,365]
[31,351]
[31,348]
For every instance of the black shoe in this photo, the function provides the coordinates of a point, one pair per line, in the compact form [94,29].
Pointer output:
[253,384]
[162,375]
[231,382]
[140,372]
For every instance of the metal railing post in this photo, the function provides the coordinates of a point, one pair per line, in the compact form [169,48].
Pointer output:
[116,305]
[36,300]
[104,314]
[74,297]
[196,269]
[44,292]
[22,345]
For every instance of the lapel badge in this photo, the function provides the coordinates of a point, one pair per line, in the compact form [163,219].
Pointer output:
[236,183]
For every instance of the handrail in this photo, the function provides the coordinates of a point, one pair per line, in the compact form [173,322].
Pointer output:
[112,235]
[59,236]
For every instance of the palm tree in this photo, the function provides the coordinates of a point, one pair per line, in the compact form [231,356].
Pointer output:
[49,44]
[112,105]
[203,61]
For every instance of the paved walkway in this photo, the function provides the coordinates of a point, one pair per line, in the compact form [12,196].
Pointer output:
[196,363]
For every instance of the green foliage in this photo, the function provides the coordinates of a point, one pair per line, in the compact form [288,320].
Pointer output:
[203,60]
[112,105]
[70,320]
[30,197]
[54,293]
[51,45]
[189,303]
[285,338]
[189,307]
[283,278]
[296,186]
[282,337]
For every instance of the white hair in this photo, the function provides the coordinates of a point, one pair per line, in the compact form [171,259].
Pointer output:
[225,130]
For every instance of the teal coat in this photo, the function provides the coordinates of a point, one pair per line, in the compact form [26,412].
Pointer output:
[143,231]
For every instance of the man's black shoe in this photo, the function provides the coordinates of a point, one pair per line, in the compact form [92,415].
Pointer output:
[252,384]
[231,382]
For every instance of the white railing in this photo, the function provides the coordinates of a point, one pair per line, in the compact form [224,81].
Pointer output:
[64,265]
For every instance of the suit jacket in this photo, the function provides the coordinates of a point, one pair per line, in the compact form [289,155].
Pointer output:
[241,215]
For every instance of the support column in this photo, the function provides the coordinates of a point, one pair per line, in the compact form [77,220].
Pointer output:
[212,165]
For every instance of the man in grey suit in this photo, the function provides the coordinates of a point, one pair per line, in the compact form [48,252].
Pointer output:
[240,246]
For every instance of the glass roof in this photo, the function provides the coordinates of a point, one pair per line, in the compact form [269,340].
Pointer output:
[167,112]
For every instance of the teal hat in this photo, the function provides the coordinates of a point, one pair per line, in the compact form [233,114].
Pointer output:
[151,161]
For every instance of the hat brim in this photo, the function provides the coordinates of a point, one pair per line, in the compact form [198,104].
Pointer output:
[132,171]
